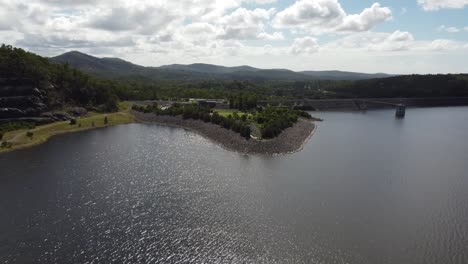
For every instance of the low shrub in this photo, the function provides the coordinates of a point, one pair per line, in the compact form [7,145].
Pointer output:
[30,134]
[6,144]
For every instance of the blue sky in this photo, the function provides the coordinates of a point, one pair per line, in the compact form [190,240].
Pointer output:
[423,24]
[411,36]
[408,16]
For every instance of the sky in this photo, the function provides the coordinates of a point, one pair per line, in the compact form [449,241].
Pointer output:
[398,36]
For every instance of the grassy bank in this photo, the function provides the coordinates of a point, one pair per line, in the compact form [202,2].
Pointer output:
[227,112]
[26,138]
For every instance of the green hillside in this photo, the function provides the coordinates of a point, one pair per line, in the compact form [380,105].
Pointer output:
[118,69]
[60,84]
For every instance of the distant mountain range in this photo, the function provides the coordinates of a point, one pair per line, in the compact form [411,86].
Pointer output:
[118,68]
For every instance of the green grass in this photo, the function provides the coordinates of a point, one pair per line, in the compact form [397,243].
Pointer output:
[226,112]
[41,134]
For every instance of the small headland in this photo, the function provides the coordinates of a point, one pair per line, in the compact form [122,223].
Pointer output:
[289,140]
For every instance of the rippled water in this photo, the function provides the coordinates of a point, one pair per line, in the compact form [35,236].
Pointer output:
[367,188]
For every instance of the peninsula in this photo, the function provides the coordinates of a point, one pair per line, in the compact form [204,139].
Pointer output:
[268,131]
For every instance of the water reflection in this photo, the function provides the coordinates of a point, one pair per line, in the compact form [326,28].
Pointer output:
[367,188]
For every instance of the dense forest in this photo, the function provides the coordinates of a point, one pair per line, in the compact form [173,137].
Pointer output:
[66,85]
[62,85]
[405,86]
[411,86]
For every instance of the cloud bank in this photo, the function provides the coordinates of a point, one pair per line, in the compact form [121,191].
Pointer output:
[261,33]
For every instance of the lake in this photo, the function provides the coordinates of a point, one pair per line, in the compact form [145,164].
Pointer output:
[367,188]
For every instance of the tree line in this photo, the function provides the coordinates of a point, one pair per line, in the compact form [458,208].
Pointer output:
[271,120]
[243,94]
[196,112]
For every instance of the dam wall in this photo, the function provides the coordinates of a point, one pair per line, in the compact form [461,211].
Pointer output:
[367,103]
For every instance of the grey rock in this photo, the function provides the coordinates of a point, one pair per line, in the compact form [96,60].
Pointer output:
[57,115]
[78,111]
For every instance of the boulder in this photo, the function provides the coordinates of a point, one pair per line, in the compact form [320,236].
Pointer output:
[77,111]
[57,115]
[40,94]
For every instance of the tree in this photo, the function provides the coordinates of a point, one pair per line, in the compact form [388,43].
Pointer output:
[245,131]
[206,117]
[216,118]
[6,144]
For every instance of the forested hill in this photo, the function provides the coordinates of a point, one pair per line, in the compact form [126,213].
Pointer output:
[117,68]
[437,85]
[59,85]
[405,86]
[64,85]
[102,67]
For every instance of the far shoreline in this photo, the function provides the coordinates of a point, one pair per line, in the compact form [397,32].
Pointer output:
[290,141]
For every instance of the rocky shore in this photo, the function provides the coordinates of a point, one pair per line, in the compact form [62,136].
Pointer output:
[289,141]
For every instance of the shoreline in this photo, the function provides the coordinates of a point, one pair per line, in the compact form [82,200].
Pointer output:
[291,140]
[44,133]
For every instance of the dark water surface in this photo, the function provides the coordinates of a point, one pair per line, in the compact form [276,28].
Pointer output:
[367,188]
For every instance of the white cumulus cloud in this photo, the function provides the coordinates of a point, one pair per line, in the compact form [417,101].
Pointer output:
[305,45]
[373,41]
[319,16]
[262,33]
[244,23]
[448,29]
[367,19]
[431,5]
